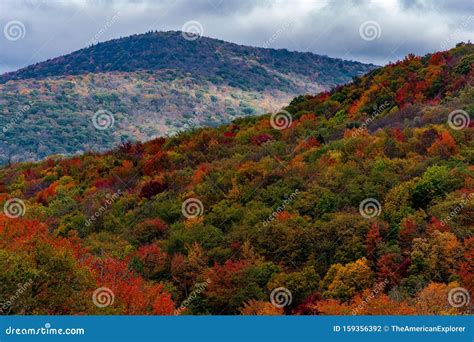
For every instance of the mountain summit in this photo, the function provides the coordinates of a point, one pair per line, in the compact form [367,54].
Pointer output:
[245,67]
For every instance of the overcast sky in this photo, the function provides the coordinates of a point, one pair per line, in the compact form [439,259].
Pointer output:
[368,31]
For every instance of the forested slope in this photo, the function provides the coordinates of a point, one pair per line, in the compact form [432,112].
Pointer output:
[353,201]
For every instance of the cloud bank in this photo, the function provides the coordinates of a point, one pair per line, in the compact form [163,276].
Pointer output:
[368,31]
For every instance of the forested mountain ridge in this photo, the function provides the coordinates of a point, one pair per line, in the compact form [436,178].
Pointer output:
[244,67]
[353,201]
[150,85]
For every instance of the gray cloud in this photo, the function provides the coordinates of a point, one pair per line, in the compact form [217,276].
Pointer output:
[56,27]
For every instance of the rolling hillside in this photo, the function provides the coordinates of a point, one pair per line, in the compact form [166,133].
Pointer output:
[364,191]
[150,85]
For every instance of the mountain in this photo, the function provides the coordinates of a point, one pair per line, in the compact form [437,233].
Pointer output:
[244,67]
[363,191]
[151,85]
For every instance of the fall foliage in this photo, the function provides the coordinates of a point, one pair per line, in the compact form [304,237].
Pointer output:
[271,209]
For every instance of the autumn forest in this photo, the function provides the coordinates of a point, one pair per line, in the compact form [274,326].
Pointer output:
[351,201]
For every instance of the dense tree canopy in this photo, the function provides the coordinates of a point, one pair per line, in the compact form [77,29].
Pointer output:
[214,220]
